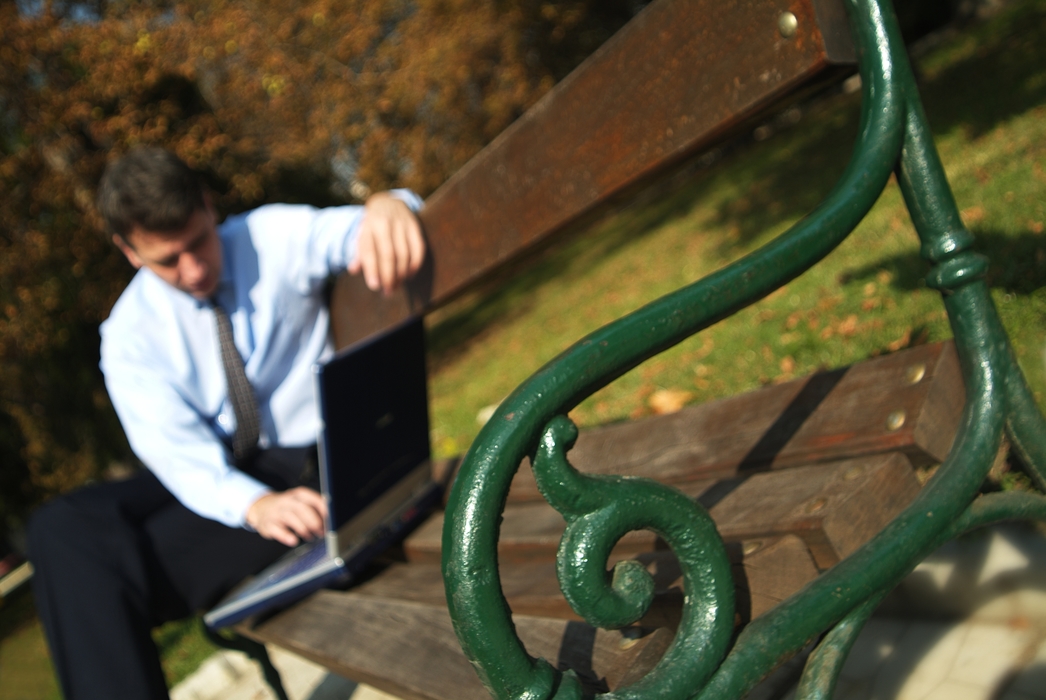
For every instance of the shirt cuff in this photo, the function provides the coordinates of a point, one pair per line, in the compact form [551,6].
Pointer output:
[409,198]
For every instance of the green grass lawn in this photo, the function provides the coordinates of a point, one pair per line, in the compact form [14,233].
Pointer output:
[25,665]
[985,95]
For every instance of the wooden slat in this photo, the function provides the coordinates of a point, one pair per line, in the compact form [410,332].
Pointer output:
[410,649]
[812,502]
[834,508]
[681,75]
[771,571]
[393,630]
[828,415]
[766,571]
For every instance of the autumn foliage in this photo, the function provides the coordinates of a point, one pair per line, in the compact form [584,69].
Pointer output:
[310,100]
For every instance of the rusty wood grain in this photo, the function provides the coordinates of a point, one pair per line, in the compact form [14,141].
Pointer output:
[766,571]
[830,415]
[410,650]
[393,631]
[677,78]
[833,507]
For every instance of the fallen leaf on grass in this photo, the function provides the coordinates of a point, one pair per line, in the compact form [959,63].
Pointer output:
[906,340]
[848,326]
[901,342]
[665,401]
[972,215]
[707,346]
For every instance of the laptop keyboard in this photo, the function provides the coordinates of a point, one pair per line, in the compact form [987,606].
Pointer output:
[302,559]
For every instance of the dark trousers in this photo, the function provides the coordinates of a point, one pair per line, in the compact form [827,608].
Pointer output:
[113,560]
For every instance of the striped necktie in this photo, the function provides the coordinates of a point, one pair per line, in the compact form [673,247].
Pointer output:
[241,395]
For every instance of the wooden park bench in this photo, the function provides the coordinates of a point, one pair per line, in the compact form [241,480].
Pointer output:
[737,532]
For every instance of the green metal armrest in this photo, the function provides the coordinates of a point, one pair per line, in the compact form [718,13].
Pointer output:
[702,662]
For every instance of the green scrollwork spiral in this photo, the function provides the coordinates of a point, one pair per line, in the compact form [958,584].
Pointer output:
[599,510]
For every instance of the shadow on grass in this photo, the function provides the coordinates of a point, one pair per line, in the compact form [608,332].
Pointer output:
[509,293]
[16,612]
[1003,77]
[786,177]
[789,175]
[1017,263]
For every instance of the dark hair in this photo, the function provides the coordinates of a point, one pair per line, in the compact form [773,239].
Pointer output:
[150,188]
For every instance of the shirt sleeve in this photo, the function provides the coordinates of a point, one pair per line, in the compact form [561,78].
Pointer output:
[172,437]
[307,245]
[175,441]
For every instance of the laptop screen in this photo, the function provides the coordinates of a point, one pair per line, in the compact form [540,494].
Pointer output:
[374,405]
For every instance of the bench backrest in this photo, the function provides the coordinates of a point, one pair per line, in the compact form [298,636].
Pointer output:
[678,78]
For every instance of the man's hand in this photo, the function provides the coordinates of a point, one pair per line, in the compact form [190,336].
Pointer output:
[390,247]
[289,516]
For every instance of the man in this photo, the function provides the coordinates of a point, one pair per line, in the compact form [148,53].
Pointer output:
[207,358]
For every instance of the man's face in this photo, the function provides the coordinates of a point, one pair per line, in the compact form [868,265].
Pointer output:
[189,259]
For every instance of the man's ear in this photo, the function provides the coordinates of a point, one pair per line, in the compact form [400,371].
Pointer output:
[128,251]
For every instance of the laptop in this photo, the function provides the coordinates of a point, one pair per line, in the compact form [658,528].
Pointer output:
[374,471]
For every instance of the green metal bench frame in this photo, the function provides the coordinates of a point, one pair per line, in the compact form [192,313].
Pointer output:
[702,662]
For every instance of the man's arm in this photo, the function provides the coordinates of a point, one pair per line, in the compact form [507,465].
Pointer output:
[175,443]
[389,249]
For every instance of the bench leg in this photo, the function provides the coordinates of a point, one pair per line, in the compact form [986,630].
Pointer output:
[254,650]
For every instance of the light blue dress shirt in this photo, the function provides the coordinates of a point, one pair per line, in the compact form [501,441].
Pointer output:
[162,363]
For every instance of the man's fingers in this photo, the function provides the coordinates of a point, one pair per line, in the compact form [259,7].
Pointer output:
[307,518]
[385,253]
[297,522]
[416,245]
[289,516]
[301,513]
[410,249]
[390,247]
[402,252]
[280,533]
[366,256]
[313,499]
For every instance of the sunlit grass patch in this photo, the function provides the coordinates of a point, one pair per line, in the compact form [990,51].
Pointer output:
[866,298]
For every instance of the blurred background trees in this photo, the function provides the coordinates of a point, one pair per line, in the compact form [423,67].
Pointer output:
[320,101]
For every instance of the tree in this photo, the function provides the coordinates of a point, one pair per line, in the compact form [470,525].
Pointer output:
[317,100]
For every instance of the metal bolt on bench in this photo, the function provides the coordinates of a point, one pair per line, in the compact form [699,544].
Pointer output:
[703,661]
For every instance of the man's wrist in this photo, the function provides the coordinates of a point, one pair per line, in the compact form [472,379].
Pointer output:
[251,516]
